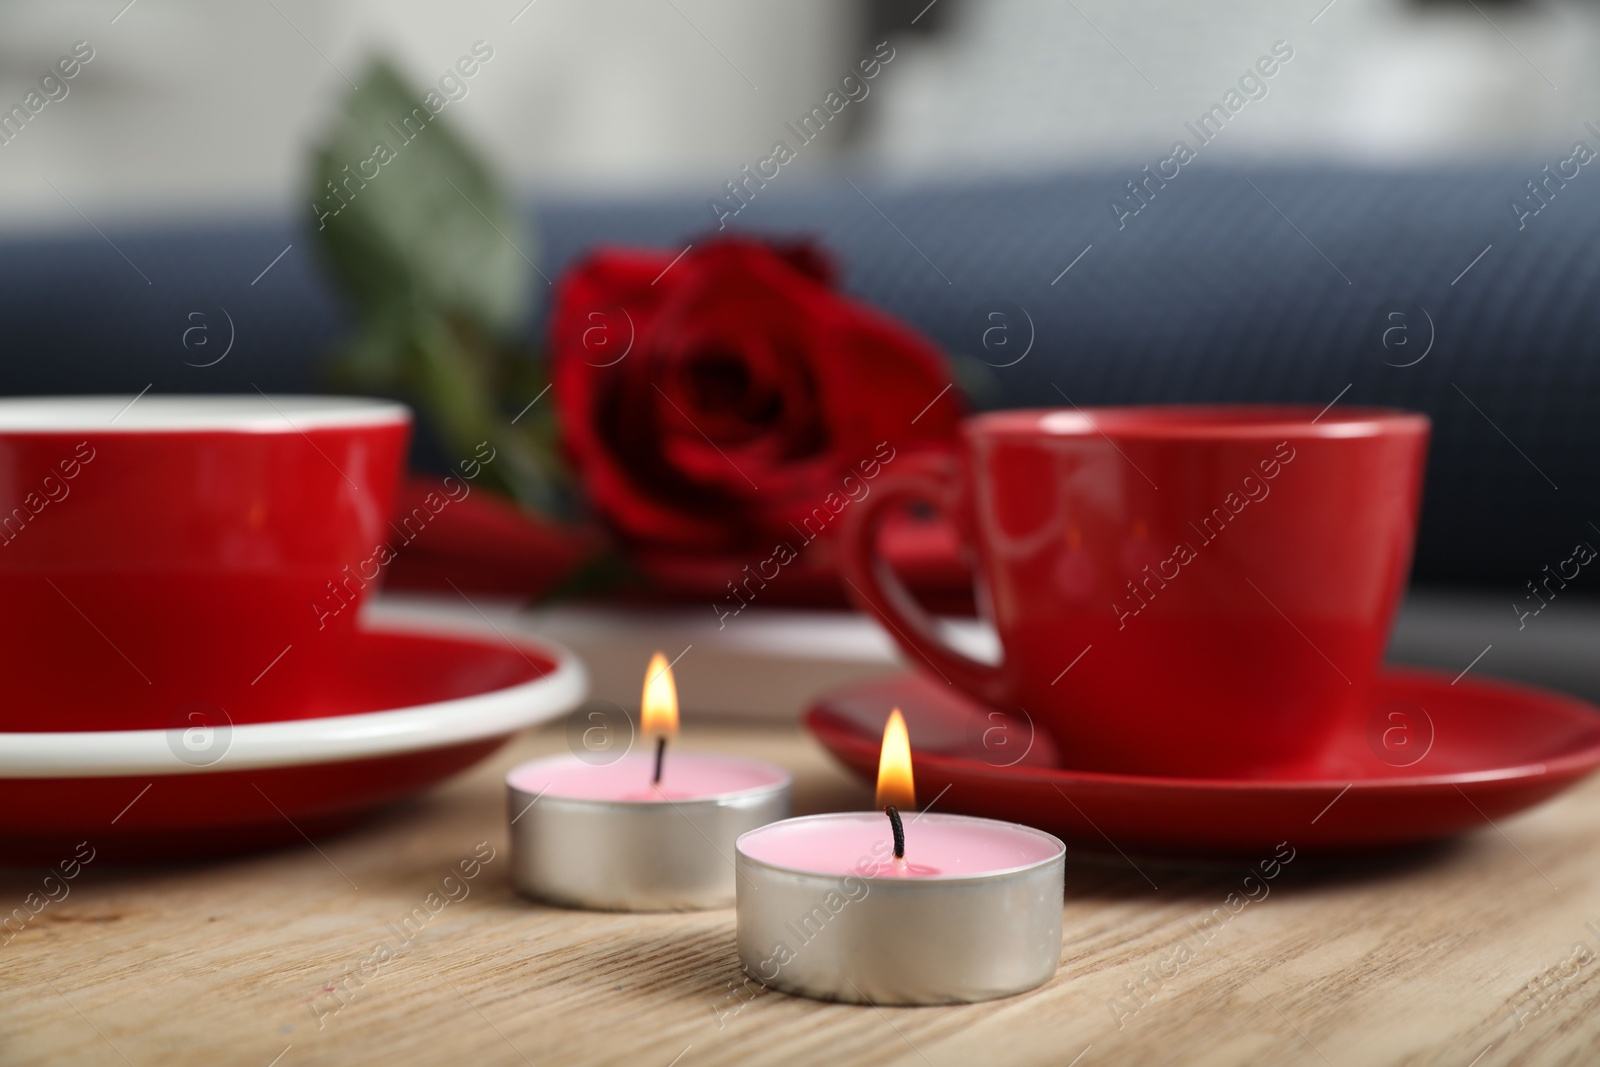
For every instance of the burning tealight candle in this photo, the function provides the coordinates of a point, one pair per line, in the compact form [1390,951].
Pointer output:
[883,909]
[651,831]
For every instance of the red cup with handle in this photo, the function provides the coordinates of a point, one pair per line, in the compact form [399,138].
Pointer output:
[1187,590]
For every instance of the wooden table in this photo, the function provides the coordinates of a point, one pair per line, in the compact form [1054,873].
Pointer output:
[1425,960]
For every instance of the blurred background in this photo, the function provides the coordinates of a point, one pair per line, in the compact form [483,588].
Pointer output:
[192,110]
[1344,237]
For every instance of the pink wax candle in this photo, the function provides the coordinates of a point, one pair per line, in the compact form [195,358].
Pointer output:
[937,846]
[646,831]
[684,776]
[875,908]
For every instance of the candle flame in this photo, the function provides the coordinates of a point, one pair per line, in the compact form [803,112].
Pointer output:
[894,765]
[658,710]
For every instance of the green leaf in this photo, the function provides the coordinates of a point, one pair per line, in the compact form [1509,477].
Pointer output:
[408,214]
[435,262]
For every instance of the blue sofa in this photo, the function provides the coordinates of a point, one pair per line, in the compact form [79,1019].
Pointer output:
[1424,290]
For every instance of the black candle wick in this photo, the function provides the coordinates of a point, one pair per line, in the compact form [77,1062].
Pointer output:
[661,751]
[899,832]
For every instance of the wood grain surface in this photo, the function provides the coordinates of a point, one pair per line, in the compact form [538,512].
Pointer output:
[1482,952]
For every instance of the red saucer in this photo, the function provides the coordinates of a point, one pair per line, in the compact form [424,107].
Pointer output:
[418,698]
[1433,759]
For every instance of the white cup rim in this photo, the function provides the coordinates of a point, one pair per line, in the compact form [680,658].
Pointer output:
[162,413]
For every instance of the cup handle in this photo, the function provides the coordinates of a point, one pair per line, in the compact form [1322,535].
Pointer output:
[926,478]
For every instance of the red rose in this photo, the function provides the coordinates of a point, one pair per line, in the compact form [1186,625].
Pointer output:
[710,404]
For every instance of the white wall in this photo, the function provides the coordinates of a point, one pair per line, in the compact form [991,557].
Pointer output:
[192,108]
[1034,84]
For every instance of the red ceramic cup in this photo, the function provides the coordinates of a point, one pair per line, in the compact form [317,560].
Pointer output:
[1177,590]
[183,554]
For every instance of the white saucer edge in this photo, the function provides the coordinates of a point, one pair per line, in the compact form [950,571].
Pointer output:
[332,739]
